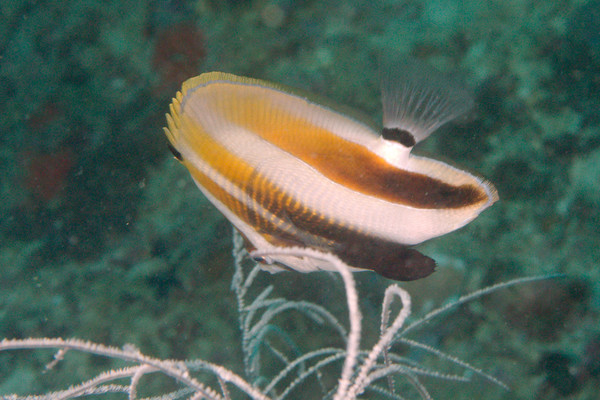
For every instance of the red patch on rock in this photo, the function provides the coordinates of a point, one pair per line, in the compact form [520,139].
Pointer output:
[178,54]
[46,173]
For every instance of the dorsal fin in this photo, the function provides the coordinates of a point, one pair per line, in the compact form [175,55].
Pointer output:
[418,99]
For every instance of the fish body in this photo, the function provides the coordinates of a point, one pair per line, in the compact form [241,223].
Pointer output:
[288,171]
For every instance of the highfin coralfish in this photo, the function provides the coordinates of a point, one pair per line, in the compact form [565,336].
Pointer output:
[288,171]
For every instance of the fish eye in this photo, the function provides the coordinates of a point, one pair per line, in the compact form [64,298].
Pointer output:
[175,152]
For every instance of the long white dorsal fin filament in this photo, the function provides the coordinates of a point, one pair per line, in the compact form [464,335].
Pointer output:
[418,99]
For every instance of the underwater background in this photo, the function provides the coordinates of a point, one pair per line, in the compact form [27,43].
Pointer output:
[104,236]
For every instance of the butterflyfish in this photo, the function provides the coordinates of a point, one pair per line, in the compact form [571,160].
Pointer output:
[288,171]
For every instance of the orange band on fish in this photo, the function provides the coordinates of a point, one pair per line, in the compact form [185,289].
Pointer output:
[288,171]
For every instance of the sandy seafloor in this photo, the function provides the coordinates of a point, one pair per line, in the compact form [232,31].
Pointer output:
[104,237]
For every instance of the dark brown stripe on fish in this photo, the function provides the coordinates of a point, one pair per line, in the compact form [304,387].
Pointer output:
[350,164]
